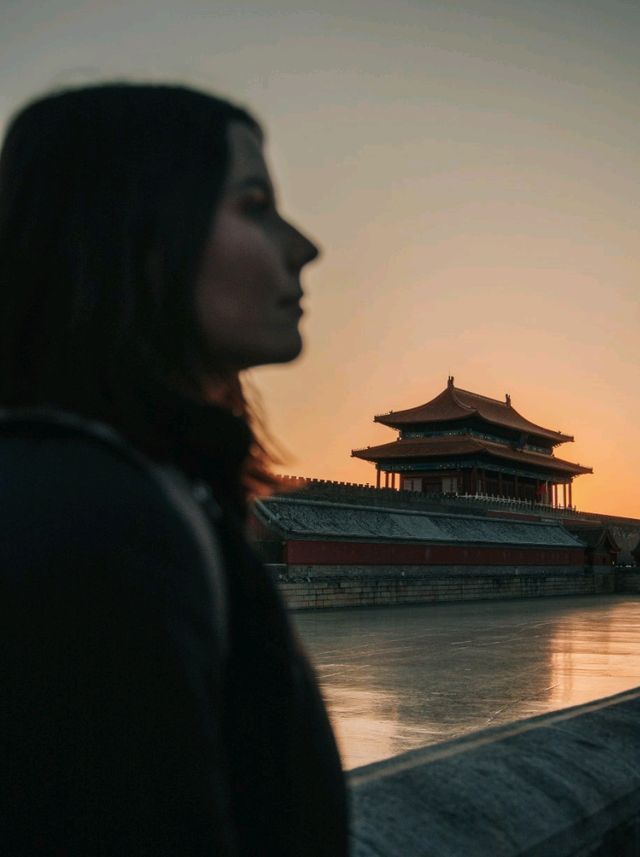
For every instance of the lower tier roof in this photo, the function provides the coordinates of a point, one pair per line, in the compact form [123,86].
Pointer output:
[444,447]
[311,519]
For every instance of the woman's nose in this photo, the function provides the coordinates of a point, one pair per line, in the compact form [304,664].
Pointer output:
[302,249]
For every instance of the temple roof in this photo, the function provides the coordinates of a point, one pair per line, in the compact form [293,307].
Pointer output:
[593,535]
[456,404]
[444,447]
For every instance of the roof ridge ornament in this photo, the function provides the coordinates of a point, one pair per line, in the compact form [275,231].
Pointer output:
[450,381]
[507,399]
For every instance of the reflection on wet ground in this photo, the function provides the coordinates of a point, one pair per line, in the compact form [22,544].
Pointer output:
[395,678]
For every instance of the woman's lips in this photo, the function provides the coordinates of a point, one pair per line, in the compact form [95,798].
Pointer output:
[292,305]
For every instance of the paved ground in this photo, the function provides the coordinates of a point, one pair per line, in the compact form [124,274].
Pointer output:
[396,678]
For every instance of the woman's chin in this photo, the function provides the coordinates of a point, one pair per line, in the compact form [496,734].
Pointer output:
[284,350]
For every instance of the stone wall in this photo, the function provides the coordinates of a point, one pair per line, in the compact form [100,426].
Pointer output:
[565,784]
[628,580]
[309,587]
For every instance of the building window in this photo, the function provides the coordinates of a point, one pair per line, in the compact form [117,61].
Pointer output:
[412,484]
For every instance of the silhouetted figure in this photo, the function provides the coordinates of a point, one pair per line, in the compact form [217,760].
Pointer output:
[153,696]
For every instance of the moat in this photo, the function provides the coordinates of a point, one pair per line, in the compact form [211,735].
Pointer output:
[396,678]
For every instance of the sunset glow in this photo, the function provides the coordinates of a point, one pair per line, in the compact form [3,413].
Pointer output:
[472,171]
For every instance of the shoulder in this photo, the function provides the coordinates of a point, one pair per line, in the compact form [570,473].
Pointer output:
[76,480]
[77,493]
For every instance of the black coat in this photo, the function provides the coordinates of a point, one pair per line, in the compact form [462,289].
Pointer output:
[154,699]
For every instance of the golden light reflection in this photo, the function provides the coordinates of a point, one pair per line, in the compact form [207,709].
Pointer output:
[590,662]
[400,678]
[365,723]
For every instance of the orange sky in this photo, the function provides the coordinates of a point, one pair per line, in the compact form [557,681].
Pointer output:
[473,174]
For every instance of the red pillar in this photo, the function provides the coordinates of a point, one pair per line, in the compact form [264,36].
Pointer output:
[570,495]
[393,481]
[386,479]
[377,478]
[564,494]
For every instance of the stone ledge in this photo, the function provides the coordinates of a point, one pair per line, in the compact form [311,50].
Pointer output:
[565,784]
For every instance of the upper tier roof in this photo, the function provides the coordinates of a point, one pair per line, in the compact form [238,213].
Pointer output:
[456,404]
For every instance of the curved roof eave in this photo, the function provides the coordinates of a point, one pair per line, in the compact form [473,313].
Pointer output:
[408,449]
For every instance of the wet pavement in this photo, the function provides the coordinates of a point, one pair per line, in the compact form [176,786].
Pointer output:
[397,678]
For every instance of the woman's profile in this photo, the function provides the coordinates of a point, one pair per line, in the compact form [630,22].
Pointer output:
[153,696]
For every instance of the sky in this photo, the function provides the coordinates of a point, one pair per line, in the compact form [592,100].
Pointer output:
[472,173]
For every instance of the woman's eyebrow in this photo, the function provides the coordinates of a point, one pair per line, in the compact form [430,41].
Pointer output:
[252,182]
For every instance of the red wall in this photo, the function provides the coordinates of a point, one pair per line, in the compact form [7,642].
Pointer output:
[366,553]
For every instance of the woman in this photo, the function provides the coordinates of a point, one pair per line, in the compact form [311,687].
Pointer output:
[154,697]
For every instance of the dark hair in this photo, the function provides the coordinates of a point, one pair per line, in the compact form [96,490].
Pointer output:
[107,194]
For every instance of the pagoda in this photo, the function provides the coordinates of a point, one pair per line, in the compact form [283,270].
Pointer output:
[462,443]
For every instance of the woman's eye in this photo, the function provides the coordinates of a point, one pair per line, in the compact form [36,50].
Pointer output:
[257,202]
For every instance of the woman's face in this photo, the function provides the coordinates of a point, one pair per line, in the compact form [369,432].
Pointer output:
[248,288]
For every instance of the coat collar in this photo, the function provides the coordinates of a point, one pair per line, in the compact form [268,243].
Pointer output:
[206,442]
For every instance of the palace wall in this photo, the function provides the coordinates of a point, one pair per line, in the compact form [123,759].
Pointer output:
[626,531]
[316,587]
[628,580]
[330,554]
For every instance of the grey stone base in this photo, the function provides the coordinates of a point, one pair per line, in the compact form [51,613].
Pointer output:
[313,587]
[628,581]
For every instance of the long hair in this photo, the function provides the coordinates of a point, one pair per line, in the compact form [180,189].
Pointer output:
[107,195]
